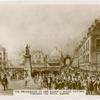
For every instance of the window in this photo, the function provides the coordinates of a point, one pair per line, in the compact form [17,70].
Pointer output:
[80,60]
[88,45]
[84,49]
[87,58]
[40,56]
[83,58]
[38,61]
[98,44]
[98,57]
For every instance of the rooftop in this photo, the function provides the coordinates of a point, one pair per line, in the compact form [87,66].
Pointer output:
[94,27]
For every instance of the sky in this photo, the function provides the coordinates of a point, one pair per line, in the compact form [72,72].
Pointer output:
[44,26]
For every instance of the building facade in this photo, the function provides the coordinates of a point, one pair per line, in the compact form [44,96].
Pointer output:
[37,58]
[88,52]
[3,58]
[54,58]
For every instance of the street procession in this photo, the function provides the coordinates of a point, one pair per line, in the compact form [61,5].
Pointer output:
[65,76]
[47,48]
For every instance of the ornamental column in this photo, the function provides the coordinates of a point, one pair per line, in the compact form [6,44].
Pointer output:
[27,60]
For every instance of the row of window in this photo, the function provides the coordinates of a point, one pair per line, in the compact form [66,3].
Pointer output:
[84,59]
[42,61]
[37,56]
[85,48]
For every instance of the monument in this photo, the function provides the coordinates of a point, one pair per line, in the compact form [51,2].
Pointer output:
[27,62]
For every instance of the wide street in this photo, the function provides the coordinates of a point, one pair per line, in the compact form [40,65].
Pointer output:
[18,85]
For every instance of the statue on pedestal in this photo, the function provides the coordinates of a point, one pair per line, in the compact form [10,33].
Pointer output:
[27,58]
[27,50]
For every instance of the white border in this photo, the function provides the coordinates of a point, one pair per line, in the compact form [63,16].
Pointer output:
[72,2]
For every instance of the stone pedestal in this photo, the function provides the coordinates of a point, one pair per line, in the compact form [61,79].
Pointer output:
[27,61]
[28,67]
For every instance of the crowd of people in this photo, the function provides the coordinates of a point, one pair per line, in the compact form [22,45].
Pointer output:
[65,79]
[17,76]
[70,80]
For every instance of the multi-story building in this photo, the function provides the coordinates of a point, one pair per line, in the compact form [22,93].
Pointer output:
[88,52]
[37,58]
[3,57]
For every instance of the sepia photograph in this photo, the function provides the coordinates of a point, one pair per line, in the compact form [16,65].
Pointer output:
[49,47]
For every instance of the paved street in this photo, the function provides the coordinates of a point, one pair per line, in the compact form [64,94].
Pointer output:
[18,85]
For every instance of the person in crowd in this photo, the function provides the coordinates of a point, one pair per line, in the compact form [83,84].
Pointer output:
[95,85]
[49,81]
[5,82]
[26,81]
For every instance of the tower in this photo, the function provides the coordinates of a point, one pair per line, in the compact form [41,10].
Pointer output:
[27,60]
